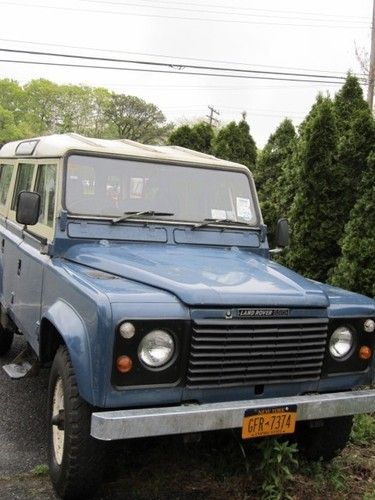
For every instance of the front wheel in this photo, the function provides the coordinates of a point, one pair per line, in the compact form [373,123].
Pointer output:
[76,460]
[324,439]
[6,340]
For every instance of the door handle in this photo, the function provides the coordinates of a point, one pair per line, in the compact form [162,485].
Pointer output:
[19,265]
[2,245]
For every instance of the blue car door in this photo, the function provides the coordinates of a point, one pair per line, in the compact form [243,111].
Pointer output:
[30,259]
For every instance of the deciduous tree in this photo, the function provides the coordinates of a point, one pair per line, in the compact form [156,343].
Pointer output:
[41,106]
[135,119]
[8,129]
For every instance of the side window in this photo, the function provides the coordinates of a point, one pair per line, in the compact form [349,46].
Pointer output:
[5,178]
[46,187]
[23,183]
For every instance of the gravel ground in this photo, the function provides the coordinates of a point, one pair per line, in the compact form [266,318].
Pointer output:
[22,419]
[23,438]
[22,433]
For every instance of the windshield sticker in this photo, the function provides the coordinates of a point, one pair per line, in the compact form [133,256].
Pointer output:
[136,187]
[243,208]
[218,214]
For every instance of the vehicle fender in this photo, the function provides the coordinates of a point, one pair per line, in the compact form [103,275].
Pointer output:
[74,334]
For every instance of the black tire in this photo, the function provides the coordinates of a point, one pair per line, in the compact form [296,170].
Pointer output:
[75,462]
[324,439]
[6,340]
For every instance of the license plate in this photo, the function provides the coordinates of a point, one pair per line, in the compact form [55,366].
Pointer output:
[269,421]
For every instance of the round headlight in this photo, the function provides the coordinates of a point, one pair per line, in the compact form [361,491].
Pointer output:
[369,326]
[156,348]
[127,330]
[341,342]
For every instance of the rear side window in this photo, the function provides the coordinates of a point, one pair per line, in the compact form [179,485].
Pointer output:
[5,178]
[46,187]
[23,183]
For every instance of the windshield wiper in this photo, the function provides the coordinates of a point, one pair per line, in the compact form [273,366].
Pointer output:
[210,222]
[135,215]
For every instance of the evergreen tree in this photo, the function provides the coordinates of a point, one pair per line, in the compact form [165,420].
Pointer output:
[348,101]
[182,136]
[276,156]
[234,143]
[355,270]
[356,130]
[315,233]
[275,152]
[198,137]
[353,150]
[290,178]
[204,134]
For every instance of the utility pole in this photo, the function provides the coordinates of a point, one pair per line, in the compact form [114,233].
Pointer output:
[212,120]
[371,79]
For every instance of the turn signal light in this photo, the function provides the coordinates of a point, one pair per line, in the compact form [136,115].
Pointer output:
[365,352]
[124,364]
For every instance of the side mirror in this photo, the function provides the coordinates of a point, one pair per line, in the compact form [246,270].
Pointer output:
[282,233]
[282,238]
[28,208]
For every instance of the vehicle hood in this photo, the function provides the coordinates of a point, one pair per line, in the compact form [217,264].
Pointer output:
[202,275]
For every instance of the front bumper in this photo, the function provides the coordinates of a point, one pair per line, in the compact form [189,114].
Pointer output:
[126,424]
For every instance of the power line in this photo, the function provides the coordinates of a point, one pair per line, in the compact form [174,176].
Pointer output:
[181,67]
[183,9]
[147,54]
[148,70]
[249,9]
[136,14]
[210,88]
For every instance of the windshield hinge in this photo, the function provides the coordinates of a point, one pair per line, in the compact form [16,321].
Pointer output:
[63,220]
[263,233]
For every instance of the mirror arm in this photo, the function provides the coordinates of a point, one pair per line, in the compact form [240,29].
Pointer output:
[277,250]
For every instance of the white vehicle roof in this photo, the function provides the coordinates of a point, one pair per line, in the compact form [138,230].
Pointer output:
[59,144]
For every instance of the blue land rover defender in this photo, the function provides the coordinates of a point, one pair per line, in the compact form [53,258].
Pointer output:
[141,275]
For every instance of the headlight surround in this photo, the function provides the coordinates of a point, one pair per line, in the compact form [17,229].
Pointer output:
[127,330]
[369,326]
[156,349]
[341,342]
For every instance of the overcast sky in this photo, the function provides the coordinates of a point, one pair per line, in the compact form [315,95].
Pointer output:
[315,37]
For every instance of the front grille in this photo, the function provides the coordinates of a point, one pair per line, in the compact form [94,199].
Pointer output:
[256,351]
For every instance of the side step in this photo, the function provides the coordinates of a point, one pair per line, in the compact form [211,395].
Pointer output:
[24,365]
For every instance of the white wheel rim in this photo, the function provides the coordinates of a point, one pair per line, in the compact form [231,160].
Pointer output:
[58,436]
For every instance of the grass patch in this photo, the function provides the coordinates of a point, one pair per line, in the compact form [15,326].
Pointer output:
[40,470]
[363,431]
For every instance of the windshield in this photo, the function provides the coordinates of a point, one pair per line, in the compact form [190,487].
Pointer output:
[111,187]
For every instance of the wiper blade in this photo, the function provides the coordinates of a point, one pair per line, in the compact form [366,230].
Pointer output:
[135,215]
[210,222]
